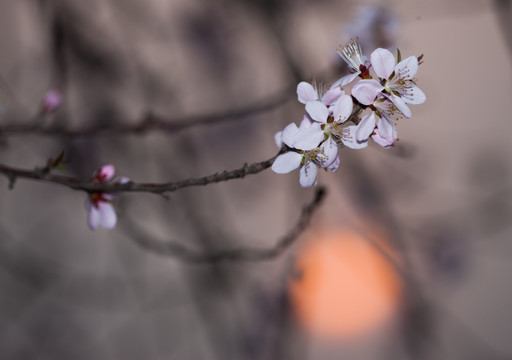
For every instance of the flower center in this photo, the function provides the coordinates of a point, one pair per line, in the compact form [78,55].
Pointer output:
[351,53]
[96,198]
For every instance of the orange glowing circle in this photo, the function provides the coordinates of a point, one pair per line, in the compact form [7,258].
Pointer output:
[344,285]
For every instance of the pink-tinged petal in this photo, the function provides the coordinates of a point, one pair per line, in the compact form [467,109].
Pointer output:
[278,140]
[337,84]
[287,162]
[407,68]
[289,134]
[317,110]
[385,129]
[306,122]
[121,180]
[401,105]
[108,216]
[306,92]
[342,109]
[354,144]
[381,141]
[332,95]
[309,138]
[414,96]
[349,138]
[93,217]
[365,91]
[347,79]
[335,164]
[365,127]
[308,174]
[330,152]
[383,62]
[104,173]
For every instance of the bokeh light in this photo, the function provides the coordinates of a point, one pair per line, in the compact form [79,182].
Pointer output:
[345,286]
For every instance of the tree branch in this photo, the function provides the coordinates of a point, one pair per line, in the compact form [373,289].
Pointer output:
[151,122]
[178,251]
[42,174]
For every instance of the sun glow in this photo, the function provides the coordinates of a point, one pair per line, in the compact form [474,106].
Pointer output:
[344,285]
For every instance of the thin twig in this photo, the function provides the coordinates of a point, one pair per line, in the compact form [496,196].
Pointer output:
[39,174]
[178,251]
[151,122]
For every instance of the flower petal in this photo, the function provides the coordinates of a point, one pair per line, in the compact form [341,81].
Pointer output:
[365,127]
[335,164]
[401,105]
[414,96]
[332,95]
[407,68]
[287,162]
[317,110]
[329,151]
[108,217]
[386,130]
[383,62]
[104,173]
[93,217]
[345,80]
[309,138]
[365,91]
[306,92]
[306,122]
[308,174]
[381,141]
[342,109]
[121,180]
[289,134]
[278,139]
[350,140]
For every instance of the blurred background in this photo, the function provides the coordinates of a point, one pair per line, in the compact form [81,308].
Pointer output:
[409,256]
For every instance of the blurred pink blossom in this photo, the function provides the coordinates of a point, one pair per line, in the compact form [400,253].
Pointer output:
[51,101]
[100,211]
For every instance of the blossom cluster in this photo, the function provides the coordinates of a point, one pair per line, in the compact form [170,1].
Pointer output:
[335,119]
[100,211]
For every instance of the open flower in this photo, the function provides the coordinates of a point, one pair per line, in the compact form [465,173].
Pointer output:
[352,54]
[366,91]
[312,92]
[329,124]
[100,211]
[387,113]
[324,155]
[379,124]
[398,79]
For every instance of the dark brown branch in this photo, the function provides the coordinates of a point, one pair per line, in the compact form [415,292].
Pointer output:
[178,251]
[151,122]
[14,174]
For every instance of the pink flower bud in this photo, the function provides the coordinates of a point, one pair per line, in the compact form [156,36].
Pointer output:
[104,173]
[51,101]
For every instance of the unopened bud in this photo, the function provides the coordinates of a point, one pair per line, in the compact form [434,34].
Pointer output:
[51,101]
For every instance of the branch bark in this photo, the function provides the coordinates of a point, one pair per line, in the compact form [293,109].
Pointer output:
[178,251]
[150,122]
[38,174]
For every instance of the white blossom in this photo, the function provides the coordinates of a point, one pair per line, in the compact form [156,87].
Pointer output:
[324,155]
[100,211]
[398,79]
[352,54]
